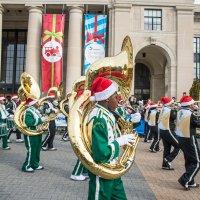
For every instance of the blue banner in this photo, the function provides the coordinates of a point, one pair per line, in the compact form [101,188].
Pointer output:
[95,39]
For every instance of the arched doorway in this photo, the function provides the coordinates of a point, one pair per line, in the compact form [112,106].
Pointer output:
[142,81]
[152,74]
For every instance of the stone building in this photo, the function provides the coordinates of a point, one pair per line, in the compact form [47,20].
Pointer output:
[165,36]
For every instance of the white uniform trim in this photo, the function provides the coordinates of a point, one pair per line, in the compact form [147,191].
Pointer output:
[79,163]
[197,156]
[113,151]
[97,188]
[29,150]
[157,140]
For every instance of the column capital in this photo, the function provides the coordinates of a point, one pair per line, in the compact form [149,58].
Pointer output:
[1,9]
[34,8]
[122,5]
[76,8]
[185,8]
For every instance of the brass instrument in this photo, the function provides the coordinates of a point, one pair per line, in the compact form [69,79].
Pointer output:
[30,89]
[119,69]
[67,103]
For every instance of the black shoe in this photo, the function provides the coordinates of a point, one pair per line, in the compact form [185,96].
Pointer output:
[152,150]
[52,149]
[186,187]
[44,148]
[195,185]
[166,165]
[65,139]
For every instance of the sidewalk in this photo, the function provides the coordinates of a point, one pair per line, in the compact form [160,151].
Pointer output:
[144,181]
[164,183]
[53,182]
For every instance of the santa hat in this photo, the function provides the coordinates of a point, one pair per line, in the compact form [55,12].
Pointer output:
[14,97]
[102,89]
[31,102]
[166,101]
[153,105]
[186,101]
[2,98]
[51,95]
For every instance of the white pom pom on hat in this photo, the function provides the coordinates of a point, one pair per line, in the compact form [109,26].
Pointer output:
[102,89]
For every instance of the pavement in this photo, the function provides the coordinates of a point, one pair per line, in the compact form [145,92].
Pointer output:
[144,181]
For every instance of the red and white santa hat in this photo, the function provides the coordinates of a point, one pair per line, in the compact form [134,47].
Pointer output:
[14,97]
[167,101]
[31,102]
[102,89]
[153,105]
[2,98]
[186,101]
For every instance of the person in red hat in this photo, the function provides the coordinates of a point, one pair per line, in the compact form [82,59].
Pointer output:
[166,125]
[187,122]
[106,139]
[3,124]
[32,119]
[153,126]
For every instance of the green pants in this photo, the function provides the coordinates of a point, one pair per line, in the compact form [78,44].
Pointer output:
[79,169]
[4,141]
[103,189]
[33,146]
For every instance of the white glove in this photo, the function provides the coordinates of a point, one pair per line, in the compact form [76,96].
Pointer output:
[55,103]
[44,119]
[135,118]
[125,140]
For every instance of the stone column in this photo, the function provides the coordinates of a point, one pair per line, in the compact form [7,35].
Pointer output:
[110,29]
[33,52]
[185,21]
[74,51]
[1,22]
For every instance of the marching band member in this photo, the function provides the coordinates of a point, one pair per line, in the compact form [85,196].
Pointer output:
[153,126]
[3,124]
[11,106]
[166,125]
[106,139]
[146,126]
[48,108]
[32,119]
[187,122]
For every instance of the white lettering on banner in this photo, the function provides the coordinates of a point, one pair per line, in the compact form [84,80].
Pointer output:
[94,51]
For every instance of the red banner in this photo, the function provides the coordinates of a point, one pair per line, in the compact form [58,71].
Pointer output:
[52,50]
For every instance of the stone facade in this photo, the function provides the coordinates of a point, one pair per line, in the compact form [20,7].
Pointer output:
[168,53]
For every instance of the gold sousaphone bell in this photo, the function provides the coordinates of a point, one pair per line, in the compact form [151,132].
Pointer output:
[30,89]
[119,69]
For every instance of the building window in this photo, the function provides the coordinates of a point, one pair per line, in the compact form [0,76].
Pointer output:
[13,59]
[153,19]
[196,42]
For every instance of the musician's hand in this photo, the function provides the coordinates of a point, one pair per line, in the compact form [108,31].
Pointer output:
[44,119]
[135,118]
[126,140]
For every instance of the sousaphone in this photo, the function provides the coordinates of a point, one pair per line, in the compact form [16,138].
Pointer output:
[120,69]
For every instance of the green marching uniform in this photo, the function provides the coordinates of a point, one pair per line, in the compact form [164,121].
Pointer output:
[32,118]
[105,149]
[79,169]
[3,126]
